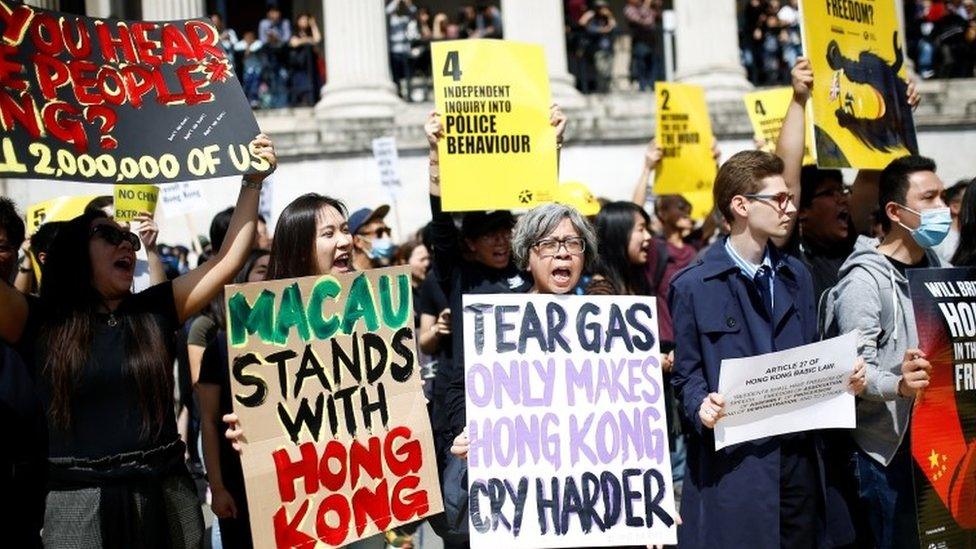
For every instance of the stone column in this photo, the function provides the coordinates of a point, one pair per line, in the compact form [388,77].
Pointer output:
[359,82]
[707,47]
[53,5]
[541,22]
[98,8]
[172,10]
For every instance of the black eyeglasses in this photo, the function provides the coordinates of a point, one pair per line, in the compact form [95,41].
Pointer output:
[549,247]
[115,236]
[781,199]
[380,232]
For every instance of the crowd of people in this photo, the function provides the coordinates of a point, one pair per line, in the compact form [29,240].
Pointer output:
[280,64]
[941,37]
[790,254]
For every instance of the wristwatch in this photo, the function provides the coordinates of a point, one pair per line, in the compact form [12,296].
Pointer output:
[256,185]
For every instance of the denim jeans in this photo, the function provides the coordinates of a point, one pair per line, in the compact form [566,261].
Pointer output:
[887,498]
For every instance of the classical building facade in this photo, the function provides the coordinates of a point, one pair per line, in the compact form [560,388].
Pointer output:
[326,148]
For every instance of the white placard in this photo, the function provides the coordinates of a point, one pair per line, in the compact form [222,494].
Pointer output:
[799,389]
[387,161]
[566,417]
[180,198]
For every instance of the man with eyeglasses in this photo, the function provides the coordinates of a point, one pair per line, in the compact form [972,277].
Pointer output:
[372,244]
[745,298]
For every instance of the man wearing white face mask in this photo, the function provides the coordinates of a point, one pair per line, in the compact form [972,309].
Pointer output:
[872,297]
[372,241]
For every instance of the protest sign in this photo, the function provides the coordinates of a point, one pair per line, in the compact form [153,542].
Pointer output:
[944,418]
[62,208]
[111,101]
[387,162]
[181,198]
[859,99]
[130,200]
[767,109]
[325,380]
[684,133]
[498,150]
[789,391]
[566,420]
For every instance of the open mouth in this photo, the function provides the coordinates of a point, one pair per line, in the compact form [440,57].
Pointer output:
[124,264]
[341,262]
[843,217]
[561,275]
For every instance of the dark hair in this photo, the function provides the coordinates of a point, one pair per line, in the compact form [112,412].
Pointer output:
[216,310]
[70,302]
[405,250]
[965,255]
[614,225]
[99,203]
[218,229]
[293,245]
[742,174]
[893,185]
[11,223]
[42,239]
[955,191]
[810,179]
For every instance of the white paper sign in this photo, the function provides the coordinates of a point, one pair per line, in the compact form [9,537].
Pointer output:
[180,198]
[799,389]
[566,418]
[387,161]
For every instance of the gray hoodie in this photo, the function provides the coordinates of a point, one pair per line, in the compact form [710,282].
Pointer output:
[872,297]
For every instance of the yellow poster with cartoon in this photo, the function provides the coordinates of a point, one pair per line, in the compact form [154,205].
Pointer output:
[684,133]
[498,149]
[767,109]
[860,108]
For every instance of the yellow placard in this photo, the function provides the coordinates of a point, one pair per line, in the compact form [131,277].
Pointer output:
[767,109]
[684,133]
[498,150]
[130,200]
[62,208]
[859,99]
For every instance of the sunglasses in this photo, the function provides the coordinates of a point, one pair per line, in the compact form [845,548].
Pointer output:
[115,236]
[781,199]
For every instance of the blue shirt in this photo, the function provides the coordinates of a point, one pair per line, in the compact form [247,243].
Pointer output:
[749,269]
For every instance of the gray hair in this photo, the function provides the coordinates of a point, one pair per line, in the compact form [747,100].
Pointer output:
[542,220]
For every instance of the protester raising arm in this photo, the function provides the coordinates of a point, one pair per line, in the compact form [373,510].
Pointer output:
[148,231]
[652,156]
[792,135]
[194,290]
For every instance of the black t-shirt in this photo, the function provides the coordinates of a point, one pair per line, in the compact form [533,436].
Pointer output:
[106,417]
[214,371]
[431,302]
[903,267]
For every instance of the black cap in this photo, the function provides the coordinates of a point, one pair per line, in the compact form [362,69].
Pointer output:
[480,223]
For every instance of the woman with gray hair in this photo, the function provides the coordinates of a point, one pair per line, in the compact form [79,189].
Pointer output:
[555,244]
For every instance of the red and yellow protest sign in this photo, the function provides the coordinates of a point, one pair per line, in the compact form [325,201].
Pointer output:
[859,100]
[767,109]
[684,133]
[105,100]
[326,383]
[498,150]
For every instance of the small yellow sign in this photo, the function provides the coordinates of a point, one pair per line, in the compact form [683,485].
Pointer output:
[684,133]
[131,200]
[767,109]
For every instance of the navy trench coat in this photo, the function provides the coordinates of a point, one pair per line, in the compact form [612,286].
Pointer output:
[730,498]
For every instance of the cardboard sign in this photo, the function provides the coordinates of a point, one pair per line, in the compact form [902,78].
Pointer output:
[944,417]
[130,200]
[388,164]
[859,99]
[791,391]
[498,150]
[767,109]
[62,208]
[326,383]
[104,100]
[684,133]
[566,418]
